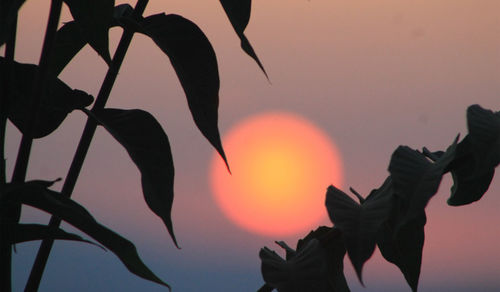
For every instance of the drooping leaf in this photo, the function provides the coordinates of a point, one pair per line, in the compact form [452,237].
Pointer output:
[94,18]
[477,156]
[359,223]
[415,179]
[148,146]
[34,195]
[195,63]
[331,241]
[305,271]
[58,101]
[403,247]
[238,12]
[8,10]
[28,232]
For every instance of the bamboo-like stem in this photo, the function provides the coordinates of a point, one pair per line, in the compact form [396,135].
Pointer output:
[83,146]
[39,87]
[6,215]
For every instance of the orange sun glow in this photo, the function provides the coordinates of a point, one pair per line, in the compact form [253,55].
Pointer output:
[281,165]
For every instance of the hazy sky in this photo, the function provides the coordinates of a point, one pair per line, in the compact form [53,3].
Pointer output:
[371,74]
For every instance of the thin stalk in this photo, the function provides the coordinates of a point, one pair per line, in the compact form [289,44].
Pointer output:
[39,87]
[83,146]
[6,215]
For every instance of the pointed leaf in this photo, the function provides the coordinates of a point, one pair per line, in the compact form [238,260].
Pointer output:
[70,38]
[148,146]
[28,232]
[195,63]
[359,223]
[94,18]
[58,101]
[404,247]
[34,195]
[238,12]
[69,41]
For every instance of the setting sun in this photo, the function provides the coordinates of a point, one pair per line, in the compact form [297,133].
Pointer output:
[281,165]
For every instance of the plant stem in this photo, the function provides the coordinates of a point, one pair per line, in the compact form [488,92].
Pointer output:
[39,87]
[83,146]
[6,215]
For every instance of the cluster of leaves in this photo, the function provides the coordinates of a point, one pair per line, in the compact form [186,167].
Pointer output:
[391,217]
[37,113]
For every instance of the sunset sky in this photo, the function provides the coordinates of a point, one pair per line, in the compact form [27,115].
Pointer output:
[372,75]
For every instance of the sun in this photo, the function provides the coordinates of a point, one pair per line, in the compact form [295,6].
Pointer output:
[281,165]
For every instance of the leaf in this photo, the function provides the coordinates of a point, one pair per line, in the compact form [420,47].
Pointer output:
[94,18]
[195,63]
[68,42]
[331,241]
[359,223]
[477,156]
[58,101]
[148,146]
[404,247]
[238,12]
[8,12]
[306,271]
[415,179]
[70,39]
[28,232]
[34,195]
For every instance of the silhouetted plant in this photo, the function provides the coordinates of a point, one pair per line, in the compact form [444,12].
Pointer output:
[391,217]
[37,102]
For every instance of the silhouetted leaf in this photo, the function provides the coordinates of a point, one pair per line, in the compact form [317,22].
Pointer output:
[238,12]
[58,101]
[359,223]
[94,18]
[403,247]
[69,41]
[32,194]
[148,146]
[331,241]
[195,63]
[305,271]
[476,157]
[28,232]
[8,10]
[416,179]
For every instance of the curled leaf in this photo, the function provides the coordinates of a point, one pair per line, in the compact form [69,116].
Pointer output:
[305,271]
[359,223]
[477,156]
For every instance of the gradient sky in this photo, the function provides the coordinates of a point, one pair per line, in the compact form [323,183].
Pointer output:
[371,74]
